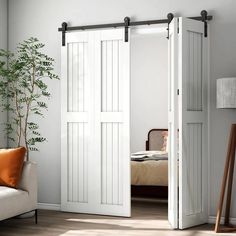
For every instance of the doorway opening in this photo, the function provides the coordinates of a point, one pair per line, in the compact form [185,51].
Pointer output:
[149,119]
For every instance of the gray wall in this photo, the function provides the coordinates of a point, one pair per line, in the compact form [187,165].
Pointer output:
[149,80]
[3,45]
[42,18]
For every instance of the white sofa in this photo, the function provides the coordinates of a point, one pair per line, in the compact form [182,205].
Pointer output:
[14,202]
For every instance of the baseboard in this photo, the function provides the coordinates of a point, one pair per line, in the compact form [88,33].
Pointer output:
[49,206]
[212,220]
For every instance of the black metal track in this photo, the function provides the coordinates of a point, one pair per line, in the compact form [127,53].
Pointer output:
[116,25]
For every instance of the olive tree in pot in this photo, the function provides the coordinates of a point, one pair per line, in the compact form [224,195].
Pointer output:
[23,90]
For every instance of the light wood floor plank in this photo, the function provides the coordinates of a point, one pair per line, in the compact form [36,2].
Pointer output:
[148,218]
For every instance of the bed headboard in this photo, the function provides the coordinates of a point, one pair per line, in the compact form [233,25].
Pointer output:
[155,139]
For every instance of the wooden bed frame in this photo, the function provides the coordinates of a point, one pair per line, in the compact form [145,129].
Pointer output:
[147,191]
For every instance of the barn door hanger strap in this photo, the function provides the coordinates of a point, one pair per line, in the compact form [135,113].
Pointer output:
[204,19]
[64,29]
[170,17]
[127,23]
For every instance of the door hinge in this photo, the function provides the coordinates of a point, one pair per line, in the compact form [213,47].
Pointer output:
[178,25]
[177,91]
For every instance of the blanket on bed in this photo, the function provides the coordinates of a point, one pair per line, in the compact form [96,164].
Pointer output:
[153,173]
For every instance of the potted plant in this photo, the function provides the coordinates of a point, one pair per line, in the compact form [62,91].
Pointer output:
[24,92]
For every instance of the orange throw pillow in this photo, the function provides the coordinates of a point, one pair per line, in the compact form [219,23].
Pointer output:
[11,163]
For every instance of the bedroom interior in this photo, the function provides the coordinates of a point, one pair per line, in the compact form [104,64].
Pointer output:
[135,142]
[149,167]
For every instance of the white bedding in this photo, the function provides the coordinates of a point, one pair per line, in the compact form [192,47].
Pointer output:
[149,155]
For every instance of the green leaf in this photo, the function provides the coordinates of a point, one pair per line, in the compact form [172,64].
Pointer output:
[33,149]
[36,133]
[32,126]
[42,104]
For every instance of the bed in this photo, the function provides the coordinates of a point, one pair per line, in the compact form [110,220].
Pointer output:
[149,176]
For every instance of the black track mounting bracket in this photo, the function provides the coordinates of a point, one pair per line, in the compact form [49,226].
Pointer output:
[170,17]
[64,29]
[127,23]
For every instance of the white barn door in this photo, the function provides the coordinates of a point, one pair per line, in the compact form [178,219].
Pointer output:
[173,124]
[193,119]
[95,123]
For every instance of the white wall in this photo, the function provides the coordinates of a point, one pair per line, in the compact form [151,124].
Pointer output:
[42,18]
[3,45]
[149,80]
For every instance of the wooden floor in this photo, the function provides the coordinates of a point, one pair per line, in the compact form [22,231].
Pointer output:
[148,218]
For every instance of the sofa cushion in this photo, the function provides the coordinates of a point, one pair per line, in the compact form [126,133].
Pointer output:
[11,163]
[13,202]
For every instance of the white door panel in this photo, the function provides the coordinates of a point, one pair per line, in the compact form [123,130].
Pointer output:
[75,124]
[112,111]
[193,131]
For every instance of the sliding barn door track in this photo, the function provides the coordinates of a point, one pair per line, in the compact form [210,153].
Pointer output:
[128,23]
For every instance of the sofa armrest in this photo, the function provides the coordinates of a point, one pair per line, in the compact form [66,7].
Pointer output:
[28,182]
